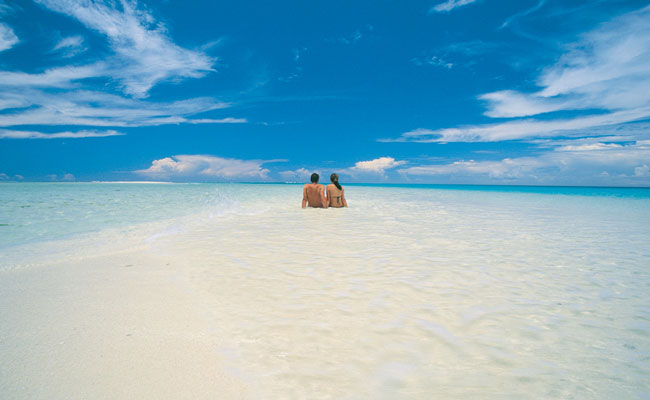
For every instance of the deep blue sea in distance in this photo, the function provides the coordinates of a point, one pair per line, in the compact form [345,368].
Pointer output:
[640,192]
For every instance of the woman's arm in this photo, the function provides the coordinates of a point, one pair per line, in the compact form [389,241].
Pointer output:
[345,203]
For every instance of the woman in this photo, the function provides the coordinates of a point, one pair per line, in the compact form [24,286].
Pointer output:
[335,193]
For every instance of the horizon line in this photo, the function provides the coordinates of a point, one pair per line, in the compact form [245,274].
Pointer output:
[350,183]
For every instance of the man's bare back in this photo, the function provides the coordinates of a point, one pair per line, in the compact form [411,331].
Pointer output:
[313,194]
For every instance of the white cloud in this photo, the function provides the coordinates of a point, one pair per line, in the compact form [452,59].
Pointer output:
[205,167]
[450,5]
[68,177]
[144,54]
[607,70]
[377,166]
[70,46]
[506,168]
[9,134]
[7,37]
[642,171]
[299,174]
[524,128]
[5,177]
[590,163]
[89,108]
[590,147]
[510,103]
[619,49]
[60,77]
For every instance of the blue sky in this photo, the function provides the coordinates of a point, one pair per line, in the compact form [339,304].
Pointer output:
[457,91]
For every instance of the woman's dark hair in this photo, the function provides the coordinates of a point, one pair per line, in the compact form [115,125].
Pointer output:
[335,180]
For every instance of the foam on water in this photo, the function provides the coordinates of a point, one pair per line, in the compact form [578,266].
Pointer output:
[409,293]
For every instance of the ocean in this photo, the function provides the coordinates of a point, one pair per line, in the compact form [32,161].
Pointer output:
[131,290]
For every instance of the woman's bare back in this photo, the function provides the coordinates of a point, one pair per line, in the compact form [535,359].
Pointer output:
[336,197]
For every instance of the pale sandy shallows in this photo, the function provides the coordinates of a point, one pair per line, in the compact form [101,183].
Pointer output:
[446,294]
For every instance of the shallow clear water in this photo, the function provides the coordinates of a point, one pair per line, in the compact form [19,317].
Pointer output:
[409,293]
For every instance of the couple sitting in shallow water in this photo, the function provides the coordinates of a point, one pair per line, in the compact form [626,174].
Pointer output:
[314,194]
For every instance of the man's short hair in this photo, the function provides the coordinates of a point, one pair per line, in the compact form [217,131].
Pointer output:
[314,178]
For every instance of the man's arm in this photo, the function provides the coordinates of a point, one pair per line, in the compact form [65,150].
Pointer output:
[304,197]
[323,199]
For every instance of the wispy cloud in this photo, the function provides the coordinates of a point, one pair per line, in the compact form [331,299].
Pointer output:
[205,167]
[298,55]
[450,5]
[523,128]
[89,108]
[523,13]
[144,54]
[608,69]
[471,48]
[464,54]
[5,177]
[4,8]
[607,73]
[435,61]
[70,46]
[7,37]
[59,77]
[11,134]
[357,35]
[592,163]
[59,178]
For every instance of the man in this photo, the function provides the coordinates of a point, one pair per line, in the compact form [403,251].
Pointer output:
[313,194]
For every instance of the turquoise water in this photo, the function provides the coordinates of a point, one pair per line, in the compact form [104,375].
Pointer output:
[419,292]
[33,212]
[638,192]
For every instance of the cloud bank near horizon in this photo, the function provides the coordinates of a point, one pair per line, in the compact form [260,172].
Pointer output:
[205,167]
